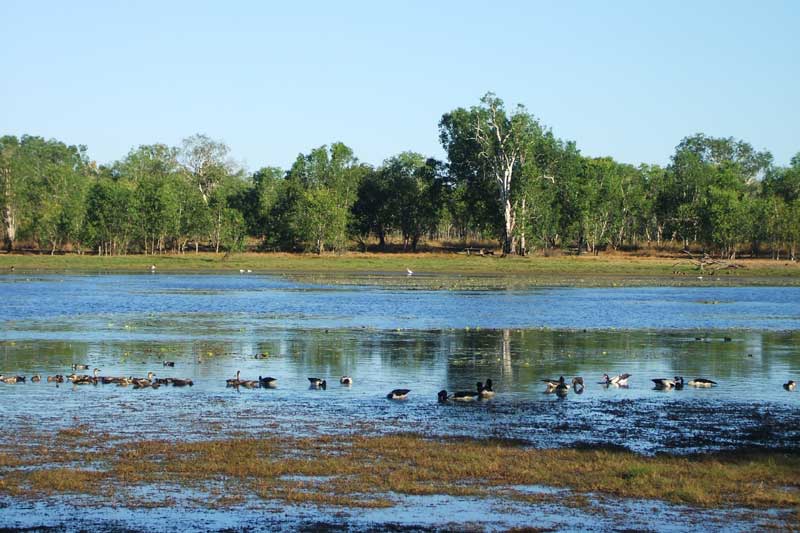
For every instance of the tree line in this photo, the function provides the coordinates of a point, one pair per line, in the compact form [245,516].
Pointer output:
[507,177]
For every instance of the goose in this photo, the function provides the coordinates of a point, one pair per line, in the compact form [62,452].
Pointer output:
[346,380]
[58,378]
[317,383]
[553,384]
[467,396]
[249,383]
[124,382]
[617,381]
[10,380]
[268,381]
[233,382]
[36,378]
[701,382]
[398,394]
[485,391]
[168,363]
[667,384]
[442,396]
[577,384]
[179,382]
[790,385]
[80,367]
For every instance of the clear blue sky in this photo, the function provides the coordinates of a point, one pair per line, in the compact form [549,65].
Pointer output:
[272,79]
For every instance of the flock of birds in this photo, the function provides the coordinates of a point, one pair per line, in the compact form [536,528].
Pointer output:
[482,390]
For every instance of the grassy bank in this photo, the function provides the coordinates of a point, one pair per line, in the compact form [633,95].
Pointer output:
[372,471]
[604,269]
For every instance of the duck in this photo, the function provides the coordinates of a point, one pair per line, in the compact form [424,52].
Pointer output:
[317,383]
[562,388]
[58,378]
[398,394]
[233,382]
[79,367]
[701,382]
[790,385]
[617,381]
[268,381]
[346,380]
[80,379]
[124,382]
[36,378]
[180,382]
[553,384]
[485,391]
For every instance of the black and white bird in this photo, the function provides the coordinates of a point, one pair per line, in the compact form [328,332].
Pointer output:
[701,382]
[317,383]
[616,381]
[398,394]
[790,385]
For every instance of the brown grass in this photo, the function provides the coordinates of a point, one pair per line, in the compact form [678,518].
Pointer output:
[367,471]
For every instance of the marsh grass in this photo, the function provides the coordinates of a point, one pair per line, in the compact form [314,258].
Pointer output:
[366,268]
[369,471]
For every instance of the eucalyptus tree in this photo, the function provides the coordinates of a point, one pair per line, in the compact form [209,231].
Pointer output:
[324,187]
[488,148]
[12,184]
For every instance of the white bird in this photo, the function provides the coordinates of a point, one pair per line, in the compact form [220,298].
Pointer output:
[619,381]
[152,268]
[241,271]
[410,272]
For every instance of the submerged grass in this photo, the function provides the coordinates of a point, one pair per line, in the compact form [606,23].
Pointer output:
[370,471]
[364,267]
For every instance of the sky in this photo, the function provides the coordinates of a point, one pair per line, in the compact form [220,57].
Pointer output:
[627,79]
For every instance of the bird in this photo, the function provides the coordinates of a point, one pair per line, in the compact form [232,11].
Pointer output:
[241,271]
[464,396]
[249,271]
[577,384]
[58,378]
[678,382]
[701,382]
[663,383]
[398,394]
[233,382]
[552,384]
[36,378]
[346,380]
[152,268]
[10,380]
[617,381]
[410,272]
[790,385]
[485,391]
[168,363]
[80,367]
[268,382]
[442,396]
[317,383]
[179,382]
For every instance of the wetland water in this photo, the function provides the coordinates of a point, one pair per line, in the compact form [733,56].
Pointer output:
[745,338]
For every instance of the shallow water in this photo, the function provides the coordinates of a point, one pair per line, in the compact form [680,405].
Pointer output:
[745,338]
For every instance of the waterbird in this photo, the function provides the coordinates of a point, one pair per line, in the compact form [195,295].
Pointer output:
[701,382]
[551,384]
[663,383]
[410,272]
[10,380]
[180,382]
[268,381]
[317,383]
[790,385]
[168,363]
[678,382]
[485,391]
[398,394]
[346,380]
[233,382]
[577,384]
[36,378]
[80,367]
[618,381]
[152,268]
[58,378]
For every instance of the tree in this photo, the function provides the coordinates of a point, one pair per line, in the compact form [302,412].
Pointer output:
[205,162]
[487,143]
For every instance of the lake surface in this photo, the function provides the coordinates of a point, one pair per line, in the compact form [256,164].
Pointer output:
[213,325]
